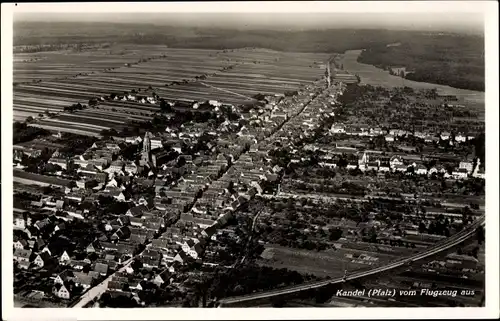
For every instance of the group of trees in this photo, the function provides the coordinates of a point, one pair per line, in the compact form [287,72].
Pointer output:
[463,66]
[74,107]
[23,133]
[250,278]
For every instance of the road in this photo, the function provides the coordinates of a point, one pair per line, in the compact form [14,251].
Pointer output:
[437,248]
[99,289]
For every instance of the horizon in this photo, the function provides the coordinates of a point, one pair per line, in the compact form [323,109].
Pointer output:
[464,23]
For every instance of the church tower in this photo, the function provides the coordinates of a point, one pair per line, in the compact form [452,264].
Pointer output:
[146,149]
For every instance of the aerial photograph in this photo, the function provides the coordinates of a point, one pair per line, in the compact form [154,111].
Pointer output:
[221,160]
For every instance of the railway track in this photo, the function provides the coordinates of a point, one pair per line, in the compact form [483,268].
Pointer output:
[433,250]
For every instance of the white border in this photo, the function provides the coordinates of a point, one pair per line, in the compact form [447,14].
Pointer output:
[489,8]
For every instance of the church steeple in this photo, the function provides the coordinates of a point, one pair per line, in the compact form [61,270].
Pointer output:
[146,148]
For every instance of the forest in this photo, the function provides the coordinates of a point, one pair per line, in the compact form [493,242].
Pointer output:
[452,60]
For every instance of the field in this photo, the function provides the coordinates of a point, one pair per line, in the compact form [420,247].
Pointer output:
[332,262]
[46,82]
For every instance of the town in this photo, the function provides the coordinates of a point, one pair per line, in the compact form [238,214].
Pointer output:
[224,187]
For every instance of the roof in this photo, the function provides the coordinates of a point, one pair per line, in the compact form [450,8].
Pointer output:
[83,278]
[138,210]
[117,285]
[44,256]
[22,253]
[101,268]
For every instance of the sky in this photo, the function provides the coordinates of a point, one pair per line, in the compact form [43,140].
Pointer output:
[446,22]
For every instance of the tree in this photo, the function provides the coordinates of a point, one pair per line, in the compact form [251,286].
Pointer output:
[136,265]
[164,106]
[421,227]
[71,184]
[93,102]
[335,234]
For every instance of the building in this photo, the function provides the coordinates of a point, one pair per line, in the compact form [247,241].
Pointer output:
[445,136]
[467,166]
[460,173]
[156,142]
[396,161]
[62,291]
[337,129]
[478,173]
[146,149]
[460,138]
[43,259]
[363,161]
[420,170]
[131,168]
[21,255]
[389,138]
[116,166]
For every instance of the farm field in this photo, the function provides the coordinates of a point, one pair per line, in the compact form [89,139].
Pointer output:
[43,180]
[331,262]
[47,82]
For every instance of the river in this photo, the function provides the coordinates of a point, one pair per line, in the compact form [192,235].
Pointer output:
[378,77]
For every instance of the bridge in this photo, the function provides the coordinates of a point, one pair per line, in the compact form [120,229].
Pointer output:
[449,243]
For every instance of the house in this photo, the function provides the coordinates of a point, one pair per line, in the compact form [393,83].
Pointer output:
[56,248]
[181,257]
[467,166]
[352,165]
[195,251]
[188,245]
[372,166]
[83,279]
[460,173]
[431,139]
[101,268]
[395,161]
[122,233]
[93,247]
[136,221]
[20,244]
[160,243]
[116,285]
[21,255]
[64,276]
[437,170]
[445,136]
[337,129]
[400,168]
[460,138]
[149,262]
[115,167]
[389,138]
[37,244]
[65,258]
[124,220]
[138,238]
[162,278]
[384,167]
[78,264]
[20,222]
[62,291]
[420,170]
[137,211]
[210,232]
[43,259]
[131,168]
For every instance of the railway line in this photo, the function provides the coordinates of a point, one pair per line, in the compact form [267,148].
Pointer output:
[433,250]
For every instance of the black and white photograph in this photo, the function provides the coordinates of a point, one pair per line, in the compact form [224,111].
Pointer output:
[254,155]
